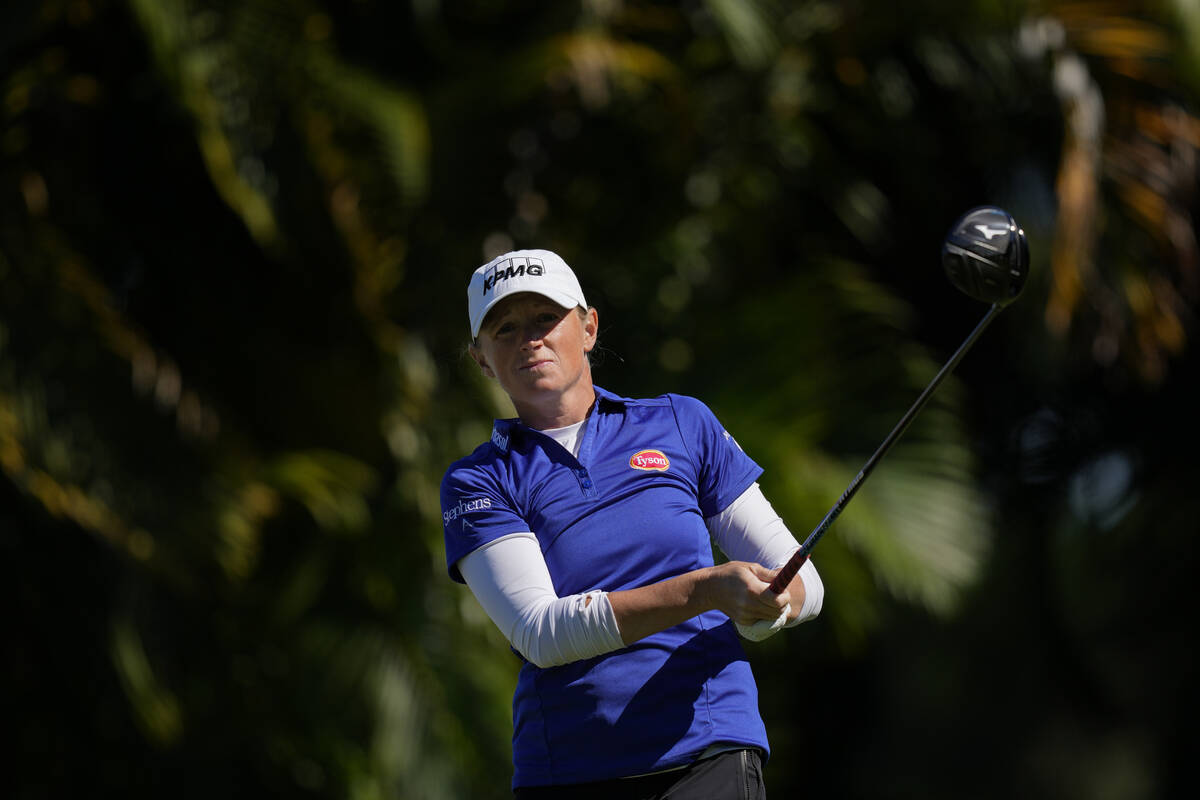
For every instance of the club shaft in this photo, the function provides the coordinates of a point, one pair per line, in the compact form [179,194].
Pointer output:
[798,558]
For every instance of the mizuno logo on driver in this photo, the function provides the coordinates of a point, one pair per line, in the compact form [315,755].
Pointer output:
[989,231]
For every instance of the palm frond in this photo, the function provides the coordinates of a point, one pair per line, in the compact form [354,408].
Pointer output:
[203,73]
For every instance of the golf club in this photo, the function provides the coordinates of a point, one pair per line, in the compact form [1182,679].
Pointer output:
[986,256]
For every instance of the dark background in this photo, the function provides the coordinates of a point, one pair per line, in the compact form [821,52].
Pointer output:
[234,238]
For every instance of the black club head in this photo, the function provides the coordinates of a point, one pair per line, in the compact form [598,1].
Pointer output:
[986,256]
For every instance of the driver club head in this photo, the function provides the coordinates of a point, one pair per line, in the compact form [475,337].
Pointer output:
[986,256]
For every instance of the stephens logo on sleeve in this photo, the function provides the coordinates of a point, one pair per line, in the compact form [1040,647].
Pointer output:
[466,507]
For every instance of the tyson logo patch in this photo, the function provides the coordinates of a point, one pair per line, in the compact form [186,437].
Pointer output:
[652,460]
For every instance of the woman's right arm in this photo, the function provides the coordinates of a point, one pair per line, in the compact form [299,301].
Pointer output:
[739,589]
[510,579]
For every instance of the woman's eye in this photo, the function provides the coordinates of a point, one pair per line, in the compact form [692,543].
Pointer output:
[506,327]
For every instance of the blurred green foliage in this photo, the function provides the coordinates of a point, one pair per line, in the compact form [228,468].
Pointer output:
[234,238]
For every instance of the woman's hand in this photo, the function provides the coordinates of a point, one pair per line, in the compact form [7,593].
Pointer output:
[762,629]
[742,591]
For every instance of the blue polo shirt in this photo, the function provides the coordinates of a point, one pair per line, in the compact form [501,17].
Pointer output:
[628,512]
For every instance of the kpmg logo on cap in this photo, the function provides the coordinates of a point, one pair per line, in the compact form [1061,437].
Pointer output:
[512,268]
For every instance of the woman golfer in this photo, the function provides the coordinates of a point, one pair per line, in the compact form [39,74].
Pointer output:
[583,527]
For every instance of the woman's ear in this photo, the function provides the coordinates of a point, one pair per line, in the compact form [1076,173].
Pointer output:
[591,327]
[478,357]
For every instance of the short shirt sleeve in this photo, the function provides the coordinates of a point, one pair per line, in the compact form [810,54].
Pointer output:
[724,470]
[475,511]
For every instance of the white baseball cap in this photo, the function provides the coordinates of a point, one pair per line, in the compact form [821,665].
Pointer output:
[538,271]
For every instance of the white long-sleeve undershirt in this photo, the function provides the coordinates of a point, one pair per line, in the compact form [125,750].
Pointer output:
[510,579]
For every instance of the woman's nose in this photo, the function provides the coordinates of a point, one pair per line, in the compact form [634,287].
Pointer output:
[533,333]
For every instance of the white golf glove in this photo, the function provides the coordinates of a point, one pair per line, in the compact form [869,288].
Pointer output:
[764,627]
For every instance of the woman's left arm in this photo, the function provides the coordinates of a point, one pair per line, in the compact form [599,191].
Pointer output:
[748,529]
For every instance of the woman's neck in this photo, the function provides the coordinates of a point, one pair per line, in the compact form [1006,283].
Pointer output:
[561,410]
